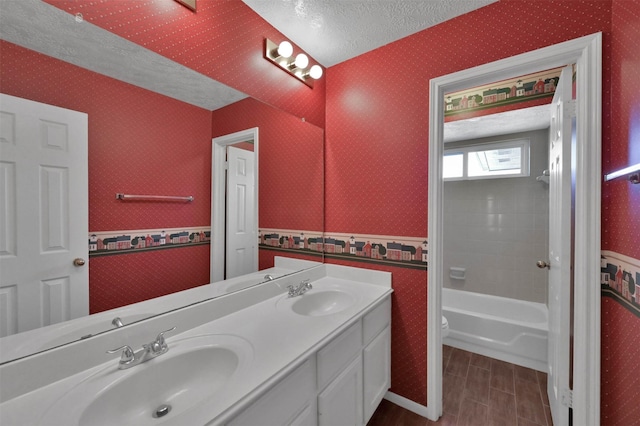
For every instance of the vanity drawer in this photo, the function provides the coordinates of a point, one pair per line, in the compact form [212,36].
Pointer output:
[335,356]
[375,321]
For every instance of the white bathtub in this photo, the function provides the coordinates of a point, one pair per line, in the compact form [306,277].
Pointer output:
[507,329]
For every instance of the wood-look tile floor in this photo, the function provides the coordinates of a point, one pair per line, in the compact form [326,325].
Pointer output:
[479,391]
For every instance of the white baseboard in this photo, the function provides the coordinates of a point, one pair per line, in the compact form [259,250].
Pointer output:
[408,404]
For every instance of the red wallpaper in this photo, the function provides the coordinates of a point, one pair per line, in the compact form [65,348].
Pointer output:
[620,369]
[120,280]
[620,219]
[377,106]
[621,200]
[291,176]
[140,143]
[223,40]
[408,329]
[377,132]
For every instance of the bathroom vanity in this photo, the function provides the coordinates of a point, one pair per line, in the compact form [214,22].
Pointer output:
[254,357]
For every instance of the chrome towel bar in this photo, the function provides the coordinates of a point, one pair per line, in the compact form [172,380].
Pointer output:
[127,197]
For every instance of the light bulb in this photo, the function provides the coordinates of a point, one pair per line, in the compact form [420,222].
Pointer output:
[285,49]
[302,61]
[315,72]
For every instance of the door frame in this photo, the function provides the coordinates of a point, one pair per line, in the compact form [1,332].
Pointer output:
[218,196]
[586,52]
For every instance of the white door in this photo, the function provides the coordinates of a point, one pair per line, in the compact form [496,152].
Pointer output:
[242,237]
[44,215]
[562,114]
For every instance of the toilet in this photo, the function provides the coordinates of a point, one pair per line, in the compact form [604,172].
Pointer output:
[445,327]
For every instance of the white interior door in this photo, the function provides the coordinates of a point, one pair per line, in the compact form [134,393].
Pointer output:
[562,114]
[242,238]
[44,215]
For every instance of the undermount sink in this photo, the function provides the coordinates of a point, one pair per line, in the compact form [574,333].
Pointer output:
[193,370]
[319,302]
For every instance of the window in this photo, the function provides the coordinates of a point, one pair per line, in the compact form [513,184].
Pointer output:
[486,161]
[453,165]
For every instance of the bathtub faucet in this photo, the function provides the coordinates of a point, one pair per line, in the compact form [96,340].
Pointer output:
[300,289]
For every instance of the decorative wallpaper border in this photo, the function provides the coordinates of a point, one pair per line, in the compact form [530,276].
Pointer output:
[131,241]
[410,252]
[620,279]
[519,89]
[291,240]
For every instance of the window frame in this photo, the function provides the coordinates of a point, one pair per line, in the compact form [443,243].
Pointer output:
[523,143]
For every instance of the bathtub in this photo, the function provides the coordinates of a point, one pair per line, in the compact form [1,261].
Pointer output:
[510,330]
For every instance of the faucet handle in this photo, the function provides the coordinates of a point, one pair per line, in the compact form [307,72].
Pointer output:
[127,354]
[159,344]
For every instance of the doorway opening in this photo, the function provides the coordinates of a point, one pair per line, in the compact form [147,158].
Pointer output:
[234,205]
[586,53]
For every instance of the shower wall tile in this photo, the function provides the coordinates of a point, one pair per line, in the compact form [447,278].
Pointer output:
[498,228]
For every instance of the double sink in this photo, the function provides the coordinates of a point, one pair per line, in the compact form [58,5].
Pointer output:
[198,368]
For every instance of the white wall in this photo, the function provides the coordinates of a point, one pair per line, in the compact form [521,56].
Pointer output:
[498,228]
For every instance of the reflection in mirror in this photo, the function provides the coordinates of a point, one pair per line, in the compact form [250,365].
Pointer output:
[290,184]
[148,134]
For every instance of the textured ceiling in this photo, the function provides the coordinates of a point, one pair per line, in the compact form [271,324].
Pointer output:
[505,123]
[333,31]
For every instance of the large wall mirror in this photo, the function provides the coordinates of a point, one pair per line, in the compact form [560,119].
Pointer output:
[150,126]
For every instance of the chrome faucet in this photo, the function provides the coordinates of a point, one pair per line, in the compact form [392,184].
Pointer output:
[129,358]
[300,289]
[117,322]
[268,277]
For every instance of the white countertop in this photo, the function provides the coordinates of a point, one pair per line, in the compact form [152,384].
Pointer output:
[279,339]
[32,341]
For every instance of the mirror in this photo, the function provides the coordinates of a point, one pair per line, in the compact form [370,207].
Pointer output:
[146,136]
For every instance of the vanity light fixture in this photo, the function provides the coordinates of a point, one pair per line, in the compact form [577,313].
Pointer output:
[298,66]
[633,173]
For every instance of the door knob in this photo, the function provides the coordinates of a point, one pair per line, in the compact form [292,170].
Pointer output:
[78,261]
[543,264]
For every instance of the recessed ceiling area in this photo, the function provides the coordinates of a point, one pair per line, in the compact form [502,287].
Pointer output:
[504,123]
[333,31]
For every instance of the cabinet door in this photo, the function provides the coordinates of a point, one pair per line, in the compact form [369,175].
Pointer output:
[291,401]
[340,403]
[377,371]
[308,417]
